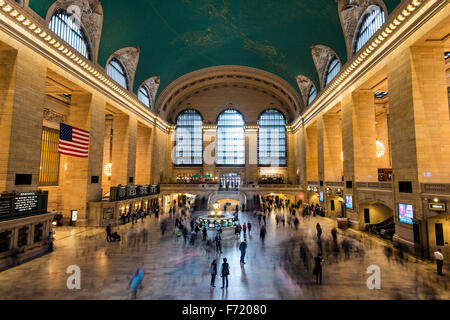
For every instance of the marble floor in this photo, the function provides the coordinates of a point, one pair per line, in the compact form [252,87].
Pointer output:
[174,270]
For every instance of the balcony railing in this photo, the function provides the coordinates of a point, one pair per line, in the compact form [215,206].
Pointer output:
[375,185]
[436,188]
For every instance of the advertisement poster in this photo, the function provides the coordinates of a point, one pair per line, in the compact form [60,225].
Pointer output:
[321,196]
[349,202]
[405,213]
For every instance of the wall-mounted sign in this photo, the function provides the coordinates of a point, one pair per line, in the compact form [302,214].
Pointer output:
[437,206]
[108,213]
[74,215]
[349,202]
[321,196]
[130,192]
[405,213]
[16,205]
[25,202]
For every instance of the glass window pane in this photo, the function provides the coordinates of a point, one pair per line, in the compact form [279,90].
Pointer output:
[117,72]
[333,69]
[230,148]
[272,139]
[312,94]
[372,21]
[69,29]
[189,138]
[144,96]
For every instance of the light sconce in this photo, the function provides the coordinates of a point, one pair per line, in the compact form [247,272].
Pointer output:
[108,169]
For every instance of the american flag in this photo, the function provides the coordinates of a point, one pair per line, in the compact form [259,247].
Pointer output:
[73,141]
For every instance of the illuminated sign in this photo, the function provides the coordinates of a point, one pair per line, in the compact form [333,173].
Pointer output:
[437,206]
[321,196]
[349,202]
[405,213]
[74,215]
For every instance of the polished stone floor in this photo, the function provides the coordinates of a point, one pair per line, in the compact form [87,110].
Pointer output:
[274,270]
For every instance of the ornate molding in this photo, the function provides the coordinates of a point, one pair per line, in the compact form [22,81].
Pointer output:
[321,56]
[152,84]
[350,14]
[52,116]
[129,57]
[304,84]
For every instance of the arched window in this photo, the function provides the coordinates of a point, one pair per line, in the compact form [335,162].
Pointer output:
[312,94]
[333,69]
[230,149]
[272,139]
[371,22]
[69,29]
[117,72]
[144,96]
[189,138]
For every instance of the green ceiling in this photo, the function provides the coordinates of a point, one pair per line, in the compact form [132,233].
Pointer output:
[180,36]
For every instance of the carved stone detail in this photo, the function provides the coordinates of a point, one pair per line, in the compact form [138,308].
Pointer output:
[304,84]
[53,116]
[91,14]
[321,56]
[152,84]
[129,57]
[350,13]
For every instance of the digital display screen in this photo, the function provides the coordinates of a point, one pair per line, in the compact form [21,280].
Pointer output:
[349,202]
[321,196]
[405,213]
[212,225]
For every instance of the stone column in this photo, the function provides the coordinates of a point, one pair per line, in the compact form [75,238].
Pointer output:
[332,148]
[87,112]
[301,155]
[359,137]
[124,149]
[22,96]
[209,151]
[143,155]
[419,127]
[251,154]
[312,169]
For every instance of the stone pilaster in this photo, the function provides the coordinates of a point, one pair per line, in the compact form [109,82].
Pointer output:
[251,154]
[124,149]
[143,155]
[22,96]
[332,148]
[312,168]
[87,112]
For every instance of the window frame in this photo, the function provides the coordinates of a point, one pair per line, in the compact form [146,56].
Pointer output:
[176,164]
[234,152]
[64,29]
[363,27]
[309,101]
[330,68]
[147,95]
[123,72]
[278,165]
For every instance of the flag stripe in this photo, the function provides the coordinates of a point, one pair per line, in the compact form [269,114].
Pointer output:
[73,141]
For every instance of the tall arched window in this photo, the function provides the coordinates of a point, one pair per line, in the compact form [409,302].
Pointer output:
[371,22]
[144,96]
[333,69]
[272,139]
[189,139]
[117,72]
[69,29]
[230,148]
[312,94]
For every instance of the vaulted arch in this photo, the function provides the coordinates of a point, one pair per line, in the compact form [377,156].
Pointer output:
[129,58]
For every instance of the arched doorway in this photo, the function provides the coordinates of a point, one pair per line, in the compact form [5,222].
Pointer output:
[377,218]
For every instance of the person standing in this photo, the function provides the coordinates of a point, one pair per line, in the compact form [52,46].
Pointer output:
[262,234]
[218,240]
[249,226]
[318,268]
[185,234]
[163,228]
[243,249]
[225,273]
[50,241]
[439,261]
[108,233]
[244,229]
[319,230]
[213,272]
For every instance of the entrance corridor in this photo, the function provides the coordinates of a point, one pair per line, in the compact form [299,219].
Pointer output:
[178,271]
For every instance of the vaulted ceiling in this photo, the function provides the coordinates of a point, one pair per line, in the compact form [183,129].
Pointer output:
[180,36]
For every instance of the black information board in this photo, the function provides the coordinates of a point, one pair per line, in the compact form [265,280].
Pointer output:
[26,202]
[6,204]
[130,192]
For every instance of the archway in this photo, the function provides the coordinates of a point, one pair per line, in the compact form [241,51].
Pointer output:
[377,218]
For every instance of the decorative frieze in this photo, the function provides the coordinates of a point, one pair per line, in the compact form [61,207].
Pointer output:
[321,55]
